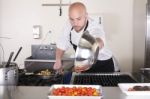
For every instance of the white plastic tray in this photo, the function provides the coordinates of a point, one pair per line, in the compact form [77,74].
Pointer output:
[125,86]
[98,87]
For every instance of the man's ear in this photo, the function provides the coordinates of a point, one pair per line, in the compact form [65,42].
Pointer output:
[86,15]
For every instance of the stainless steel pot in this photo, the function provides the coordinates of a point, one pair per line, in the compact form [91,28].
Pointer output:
[9,75]
[87,51]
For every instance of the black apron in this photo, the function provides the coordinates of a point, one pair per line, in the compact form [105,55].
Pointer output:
[99,66]
[75,46]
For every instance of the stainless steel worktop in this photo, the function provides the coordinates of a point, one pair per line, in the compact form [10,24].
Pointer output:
[23,92]
[41,92]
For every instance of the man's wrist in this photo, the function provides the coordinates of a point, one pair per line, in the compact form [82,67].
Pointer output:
[58,60]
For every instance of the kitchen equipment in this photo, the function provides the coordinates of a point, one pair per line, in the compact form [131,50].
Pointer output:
[42,57]
[106,79]
[147,37]
[146,69]
[35,80]
[87,51]
[9,59]
[48,74]
[17,53]
[9,71]
[43,51]
[8,75]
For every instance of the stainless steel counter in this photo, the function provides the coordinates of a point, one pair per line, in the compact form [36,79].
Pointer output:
[36,92]
[23,92]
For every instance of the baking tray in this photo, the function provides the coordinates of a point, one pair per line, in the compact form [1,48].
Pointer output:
[98,87]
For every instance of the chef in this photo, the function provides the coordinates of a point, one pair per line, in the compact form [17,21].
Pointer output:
[78,23]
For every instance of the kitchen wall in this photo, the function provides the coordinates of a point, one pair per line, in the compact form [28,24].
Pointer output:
[17,18]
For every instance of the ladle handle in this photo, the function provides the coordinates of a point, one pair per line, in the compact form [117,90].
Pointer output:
[10,57]
[17,53]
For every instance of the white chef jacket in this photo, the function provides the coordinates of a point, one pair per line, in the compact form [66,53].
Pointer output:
[94,29]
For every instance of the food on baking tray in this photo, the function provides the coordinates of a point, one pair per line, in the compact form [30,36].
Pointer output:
[139,88]
[76,91]
[45,72]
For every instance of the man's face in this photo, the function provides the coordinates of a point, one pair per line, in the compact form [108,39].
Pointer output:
[77,19]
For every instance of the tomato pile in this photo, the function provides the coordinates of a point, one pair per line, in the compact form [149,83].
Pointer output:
[76,91]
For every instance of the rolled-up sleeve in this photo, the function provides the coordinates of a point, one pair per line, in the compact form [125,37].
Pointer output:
[63,41]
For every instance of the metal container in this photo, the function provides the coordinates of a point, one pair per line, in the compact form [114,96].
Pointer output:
[33,65]
[43,51]
[42,57]
[9,75]
[87,51]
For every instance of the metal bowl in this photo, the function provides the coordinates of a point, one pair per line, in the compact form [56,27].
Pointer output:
[87,51]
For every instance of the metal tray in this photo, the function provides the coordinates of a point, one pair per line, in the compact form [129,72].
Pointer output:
[98,87]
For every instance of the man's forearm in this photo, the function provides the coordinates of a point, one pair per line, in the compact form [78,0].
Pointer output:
[59,54]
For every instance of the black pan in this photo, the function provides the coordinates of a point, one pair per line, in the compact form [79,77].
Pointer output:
[53,75]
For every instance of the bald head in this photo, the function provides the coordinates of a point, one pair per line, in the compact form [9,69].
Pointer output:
[77,6]
[77,15]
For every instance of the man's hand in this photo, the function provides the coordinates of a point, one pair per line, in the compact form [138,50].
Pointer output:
[57,65]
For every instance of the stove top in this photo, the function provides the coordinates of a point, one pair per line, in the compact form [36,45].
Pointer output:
[102,79]
[33,80]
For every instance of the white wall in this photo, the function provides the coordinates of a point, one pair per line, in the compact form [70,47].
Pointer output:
[17,18]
